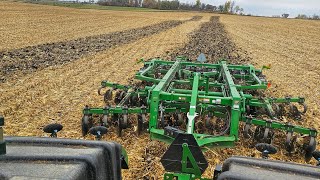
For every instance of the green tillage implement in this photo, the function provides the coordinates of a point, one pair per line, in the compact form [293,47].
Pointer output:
[187,90]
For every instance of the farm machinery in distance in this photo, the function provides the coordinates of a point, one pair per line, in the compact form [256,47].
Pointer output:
[192,105]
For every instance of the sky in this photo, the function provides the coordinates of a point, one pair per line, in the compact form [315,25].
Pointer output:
[272,7]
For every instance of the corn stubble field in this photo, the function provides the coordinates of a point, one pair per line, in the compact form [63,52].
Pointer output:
[53,59]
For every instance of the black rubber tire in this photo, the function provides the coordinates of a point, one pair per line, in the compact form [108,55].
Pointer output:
[264,146]
[103,130]
[316,155]
[50,128]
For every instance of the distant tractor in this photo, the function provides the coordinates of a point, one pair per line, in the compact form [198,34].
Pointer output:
[285,15]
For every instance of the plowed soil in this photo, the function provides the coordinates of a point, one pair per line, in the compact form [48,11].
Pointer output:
[213,41]
[24,24]
[32,58]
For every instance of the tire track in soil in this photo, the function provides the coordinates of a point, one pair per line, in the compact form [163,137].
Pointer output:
[32,58]
[212,40]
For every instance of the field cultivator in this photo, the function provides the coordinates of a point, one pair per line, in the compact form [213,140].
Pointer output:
[197,104]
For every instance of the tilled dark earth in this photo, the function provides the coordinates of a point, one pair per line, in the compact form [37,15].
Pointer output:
[212,40]
[32,58]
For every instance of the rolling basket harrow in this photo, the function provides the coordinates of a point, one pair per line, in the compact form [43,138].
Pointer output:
[197,104]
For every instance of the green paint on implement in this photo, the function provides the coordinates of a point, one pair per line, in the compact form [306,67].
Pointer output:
[197,89]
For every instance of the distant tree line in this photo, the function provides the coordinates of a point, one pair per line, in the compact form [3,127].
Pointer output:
[300,16]
[228,7]
[128,3]
[303,16]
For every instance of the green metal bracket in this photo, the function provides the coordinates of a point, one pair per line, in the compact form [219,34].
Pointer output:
[188,157]
[124,159]
[193,104]
[182,176]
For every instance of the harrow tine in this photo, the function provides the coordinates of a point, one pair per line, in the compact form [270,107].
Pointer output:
[246,131]
[107,96]
[119,127]
[295,112]
[104,119]
[161,116]
[141,120]
[99,90]
[268,133]
[263,135]
[282,111]
[118,97]
[309,148]
[276,110]
[134,101]
[207,119]
[123,121]
[247,128]
[86,122]
[179,120]
[176,118]
[289,144]
[305,108]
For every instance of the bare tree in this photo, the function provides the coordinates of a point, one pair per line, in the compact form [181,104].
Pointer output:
[232,4]
[237,9]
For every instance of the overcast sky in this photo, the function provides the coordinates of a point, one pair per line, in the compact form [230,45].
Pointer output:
[272,7]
